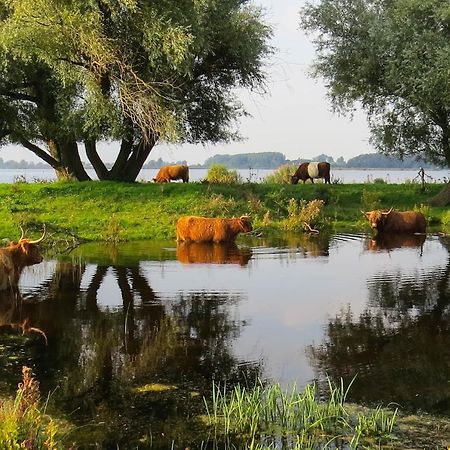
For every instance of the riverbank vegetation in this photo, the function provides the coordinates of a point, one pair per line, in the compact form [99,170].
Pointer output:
[23,421]
[258,417]
[110,211]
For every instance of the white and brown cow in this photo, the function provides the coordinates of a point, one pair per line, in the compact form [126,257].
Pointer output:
[311,170]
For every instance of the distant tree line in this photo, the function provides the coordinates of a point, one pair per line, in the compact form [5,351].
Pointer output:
[22,165]
[273,160]
[267,160]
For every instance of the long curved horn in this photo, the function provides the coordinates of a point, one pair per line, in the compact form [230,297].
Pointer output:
[386,213]
[41,238]
[363,212]
[23,233]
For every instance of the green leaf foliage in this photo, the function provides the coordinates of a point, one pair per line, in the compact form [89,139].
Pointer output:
[76,71]
[393,58]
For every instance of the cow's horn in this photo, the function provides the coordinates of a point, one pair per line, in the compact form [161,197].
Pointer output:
[23,233]
[363,212]
[41,238]
[386,213]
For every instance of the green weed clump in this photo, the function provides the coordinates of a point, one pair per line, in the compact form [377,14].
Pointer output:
[282,175]
[370,200]
[220,174]
[261,416]
[23,424]
[303,214]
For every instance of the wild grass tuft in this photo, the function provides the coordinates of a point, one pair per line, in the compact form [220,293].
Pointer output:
[301,212]
[220,174]
[282,175]
[23,424]
[268,413]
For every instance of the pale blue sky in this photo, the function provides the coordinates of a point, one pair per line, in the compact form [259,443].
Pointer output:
[293,118]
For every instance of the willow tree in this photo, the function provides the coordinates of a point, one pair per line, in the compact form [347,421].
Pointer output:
[139,72]
[393,58]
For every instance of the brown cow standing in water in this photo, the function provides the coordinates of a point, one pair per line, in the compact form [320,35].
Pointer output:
[310,171]
[15,257]
[396,221]
[205,229]
[168,173]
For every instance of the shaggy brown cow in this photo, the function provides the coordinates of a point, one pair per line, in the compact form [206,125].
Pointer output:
[396,221]
[168,173]
[310,171]
[212,253]
[17,256]
[205,229]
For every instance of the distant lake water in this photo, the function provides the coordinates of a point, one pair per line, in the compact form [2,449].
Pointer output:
[253,175]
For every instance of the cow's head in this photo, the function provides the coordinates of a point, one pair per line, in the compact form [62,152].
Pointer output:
[244,222]
[294,179]
[29,250]
[377,218]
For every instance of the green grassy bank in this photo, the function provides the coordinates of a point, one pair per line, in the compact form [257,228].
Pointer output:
[132,211]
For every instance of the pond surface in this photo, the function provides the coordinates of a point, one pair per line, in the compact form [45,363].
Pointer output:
[137,333]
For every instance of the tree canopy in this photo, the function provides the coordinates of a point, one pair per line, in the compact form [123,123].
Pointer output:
[80,71]
[393,58]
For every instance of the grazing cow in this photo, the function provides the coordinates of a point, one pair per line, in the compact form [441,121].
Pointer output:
[168,173]
[17,256]
[396,221]
[212,253]
[205,229]
[390,241]
[310,171]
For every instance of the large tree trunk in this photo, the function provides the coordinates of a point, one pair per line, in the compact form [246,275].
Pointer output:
[128,163]
[69,165]
[442,198]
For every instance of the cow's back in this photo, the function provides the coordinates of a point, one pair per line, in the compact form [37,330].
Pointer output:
[405,222]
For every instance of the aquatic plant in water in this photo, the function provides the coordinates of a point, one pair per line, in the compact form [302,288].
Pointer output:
[266,417]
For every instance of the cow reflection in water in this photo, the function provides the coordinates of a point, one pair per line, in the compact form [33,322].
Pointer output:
[212,253]
[16,313]
[386,242]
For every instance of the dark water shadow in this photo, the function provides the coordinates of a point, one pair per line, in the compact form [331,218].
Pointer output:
[399,346]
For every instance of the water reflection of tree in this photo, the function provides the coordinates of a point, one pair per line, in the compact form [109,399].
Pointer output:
[98,356]
[399,349]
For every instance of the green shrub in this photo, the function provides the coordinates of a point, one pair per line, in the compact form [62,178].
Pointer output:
[446,221]
[282,175]
[370,200]
[303,212]
[220,174]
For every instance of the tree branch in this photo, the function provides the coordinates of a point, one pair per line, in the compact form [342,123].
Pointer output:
[41,153]
[18,96]
[98,165]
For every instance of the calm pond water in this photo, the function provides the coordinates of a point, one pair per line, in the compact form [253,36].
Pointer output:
[137,333]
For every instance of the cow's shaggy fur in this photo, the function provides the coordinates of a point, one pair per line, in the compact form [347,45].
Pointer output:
[397,221]
[168,173]
[205,229]
[309,171]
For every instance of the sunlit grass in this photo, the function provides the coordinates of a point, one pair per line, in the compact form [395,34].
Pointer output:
[261,416]
[108,211]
